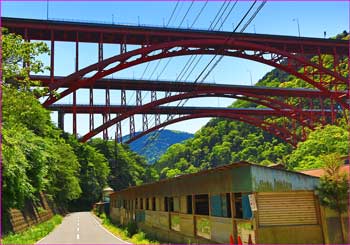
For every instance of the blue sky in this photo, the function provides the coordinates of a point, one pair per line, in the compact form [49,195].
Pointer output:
[275,18]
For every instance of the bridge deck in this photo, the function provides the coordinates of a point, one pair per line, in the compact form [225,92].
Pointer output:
[157,85]
[35,29]
[115,109]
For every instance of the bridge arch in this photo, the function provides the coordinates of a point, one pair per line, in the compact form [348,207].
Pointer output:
[271,128]
[286,110]
[277,58]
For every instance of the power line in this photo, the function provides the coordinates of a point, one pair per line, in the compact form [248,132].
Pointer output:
[220,58]
[200,12]
[172,14]
[188,10]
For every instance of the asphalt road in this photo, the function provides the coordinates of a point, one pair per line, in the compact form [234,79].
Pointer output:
[80,228]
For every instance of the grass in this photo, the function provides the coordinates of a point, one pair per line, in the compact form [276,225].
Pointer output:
[122,232]
[34,233]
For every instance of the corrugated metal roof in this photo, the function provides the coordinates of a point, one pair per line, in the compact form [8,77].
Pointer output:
[320,171]
[213,170]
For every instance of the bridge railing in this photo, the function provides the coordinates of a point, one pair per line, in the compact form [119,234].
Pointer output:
[128,24]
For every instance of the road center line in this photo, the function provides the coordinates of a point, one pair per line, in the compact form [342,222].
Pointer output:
[78,229]
[78,237]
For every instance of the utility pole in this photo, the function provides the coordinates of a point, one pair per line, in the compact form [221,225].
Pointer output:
[297,20]
[251,78]
[47,9]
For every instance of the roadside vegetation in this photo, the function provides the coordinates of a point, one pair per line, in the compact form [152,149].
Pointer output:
[34,233]
[333,189]
[130,233]
[37,155]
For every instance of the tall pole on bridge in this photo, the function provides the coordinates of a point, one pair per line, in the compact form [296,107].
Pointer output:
[47,9]
[297,20]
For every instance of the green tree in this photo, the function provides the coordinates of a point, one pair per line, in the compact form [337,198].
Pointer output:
[63,174]
[333,189]
[93,173]
[322,141]
[19,59]
[126,167]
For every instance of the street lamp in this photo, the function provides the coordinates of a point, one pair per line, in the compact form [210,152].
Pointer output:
[251,78]
[297,20]
[47,9]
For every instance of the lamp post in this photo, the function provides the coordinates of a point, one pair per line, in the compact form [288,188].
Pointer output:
[47,9]
[297,20]
[251,78]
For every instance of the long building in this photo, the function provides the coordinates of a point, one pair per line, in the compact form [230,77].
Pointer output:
[236,202]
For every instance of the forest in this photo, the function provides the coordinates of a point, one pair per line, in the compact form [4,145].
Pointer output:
[39,157]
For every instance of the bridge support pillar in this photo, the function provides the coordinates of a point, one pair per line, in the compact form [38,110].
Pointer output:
[60,120]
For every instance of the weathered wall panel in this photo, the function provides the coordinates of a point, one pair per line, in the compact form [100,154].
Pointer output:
[187,224]
[221,229]
[269,179]
[299,234]
[241,179]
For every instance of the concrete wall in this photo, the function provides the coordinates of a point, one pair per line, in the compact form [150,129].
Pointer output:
[32,214]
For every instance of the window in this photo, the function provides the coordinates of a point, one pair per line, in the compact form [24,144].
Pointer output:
[136,204]
[189,204]
[153,203]
[166,203]
[147,204]
[228,205]
[238,206]
[171,204]
[124,203]
[202,204]
[220,205]
[141,203]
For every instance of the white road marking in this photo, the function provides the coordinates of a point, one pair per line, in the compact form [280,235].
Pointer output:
[95,219]
[78,237]
[78,229]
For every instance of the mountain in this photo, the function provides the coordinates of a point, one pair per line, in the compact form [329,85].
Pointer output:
[155,144]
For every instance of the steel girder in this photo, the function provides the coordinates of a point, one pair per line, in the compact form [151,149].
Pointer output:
[170,86]
[290,54]
[282,111]
[70,31]
[274,129]
[259,53]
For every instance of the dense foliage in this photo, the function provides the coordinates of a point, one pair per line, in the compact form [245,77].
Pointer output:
[222,141]
[36,158]
[127,167]
[333,189]
[153,145]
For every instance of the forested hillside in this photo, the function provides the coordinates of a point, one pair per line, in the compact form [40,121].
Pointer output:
[223,141]
[39,157]
[153,145]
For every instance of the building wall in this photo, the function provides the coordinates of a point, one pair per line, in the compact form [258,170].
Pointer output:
[288,217]
[178,226]
[269,179]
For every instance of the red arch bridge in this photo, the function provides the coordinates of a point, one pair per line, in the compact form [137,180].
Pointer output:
[305,108]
